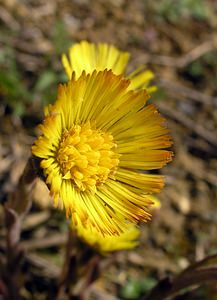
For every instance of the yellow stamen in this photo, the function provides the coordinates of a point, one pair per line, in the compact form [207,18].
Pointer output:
[86,156]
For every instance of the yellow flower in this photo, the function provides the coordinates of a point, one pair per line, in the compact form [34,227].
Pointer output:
[97,141]
[85,56]
[108,243]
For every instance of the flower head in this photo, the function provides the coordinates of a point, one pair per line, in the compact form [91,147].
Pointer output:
[85,56]
[108,243]
[96,142]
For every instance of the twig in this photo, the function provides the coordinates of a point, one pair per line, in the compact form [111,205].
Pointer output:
[49,269]
[206,261]
[69,264]
[197,52]
[195,275]
[190,124]
[34,219]
[196,167]
[55,240]
[8,19]
[183,92]
[179,62]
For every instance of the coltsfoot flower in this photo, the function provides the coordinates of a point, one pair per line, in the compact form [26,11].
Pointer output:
[85,56]
[96,141]
[109,243]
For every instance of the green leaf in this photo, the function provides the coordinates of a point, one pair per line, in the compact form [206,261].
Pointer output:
[131,290]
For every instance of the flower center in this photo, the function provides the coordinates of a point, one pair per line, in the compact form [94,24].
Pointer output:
[86,156]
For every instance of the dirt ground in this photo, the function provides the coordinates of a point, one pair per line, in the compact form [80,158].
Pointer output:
[177,40]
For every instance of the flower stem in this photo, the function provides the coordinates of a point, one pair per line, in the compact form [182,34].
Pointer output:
[80,269]
[68,265]
[16,208]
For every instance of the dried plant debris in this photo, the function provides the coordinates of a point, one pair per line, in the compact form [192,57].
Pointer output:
[177,41]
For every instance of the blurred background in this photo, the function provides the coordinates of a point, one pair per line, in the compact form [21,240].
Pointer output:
[177,40]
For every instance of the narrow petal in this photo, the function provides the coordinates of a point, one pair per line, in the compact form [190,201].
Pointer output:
[88,57]
[141,80]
